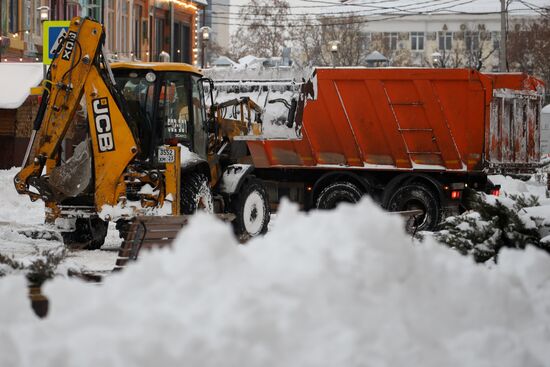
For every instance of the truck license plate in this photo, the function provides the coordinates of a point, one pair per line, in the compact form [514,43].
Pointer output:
[166,155]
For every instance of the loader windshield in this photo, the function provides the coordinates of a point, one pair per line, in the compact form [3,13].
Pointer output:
[167,104]
[181,111]
[138,95]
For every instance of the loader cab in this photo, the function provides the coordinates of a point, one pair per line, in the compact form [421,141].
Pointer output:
[166,102]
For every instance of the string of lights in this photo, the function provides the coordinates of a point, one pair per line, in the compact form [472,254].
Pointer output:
[17,33]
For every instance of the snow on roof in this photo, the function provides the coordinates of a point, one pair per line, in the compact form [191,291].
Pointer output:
[376,56]
[224,61]
[546,109]
[249,60]
[17,81]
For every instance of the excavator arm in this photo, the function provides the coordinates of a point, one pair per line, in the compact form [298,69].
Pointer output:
[78,69]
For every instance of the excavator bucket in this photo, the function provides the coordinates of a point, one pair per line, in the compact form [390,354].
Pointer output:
[147,232]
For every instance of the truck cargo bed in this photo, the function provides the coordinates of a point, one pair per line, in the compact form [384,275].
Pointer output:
[413,119]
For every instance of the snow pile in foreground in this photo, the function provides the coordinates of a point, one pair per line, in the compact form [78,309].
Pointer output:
[340,288]
[15,207]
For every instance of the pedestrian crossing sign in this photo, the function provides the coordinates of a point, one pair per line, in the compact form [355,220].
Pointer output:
[53,33]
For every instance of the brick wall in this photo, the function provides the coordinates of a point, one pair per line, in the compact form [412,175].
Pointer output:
[25,117]
[15,130]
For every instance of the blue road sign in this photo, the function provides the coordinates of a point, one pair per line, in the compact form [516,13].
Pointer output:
[54,32]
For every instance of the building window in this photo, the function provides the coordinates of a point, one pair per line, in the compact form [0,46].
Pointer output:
[182,35]
[72,10]
[27,15]
[159,37]
[445,40]
[471,40]
[368,39]
[92,9]
[391,40]
[137,30]
[110,25]
[13,14]
[123,30]
[417,41]
[36,23]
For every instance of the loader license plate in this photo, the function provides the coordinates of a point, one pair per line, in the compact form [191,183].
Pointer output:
[166,155]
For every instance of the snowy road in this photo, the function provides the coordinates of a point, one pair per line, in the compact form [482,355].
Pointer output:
[20,246]
[18,213]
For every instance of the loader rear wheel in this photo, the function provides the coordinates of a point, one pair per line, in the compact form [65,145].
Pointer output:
[89,234]
[251,208]
[195,194]
[336,193]
[417,196]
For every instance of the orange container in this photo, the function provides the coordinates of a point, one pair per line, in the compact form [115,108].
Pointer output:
[413,120]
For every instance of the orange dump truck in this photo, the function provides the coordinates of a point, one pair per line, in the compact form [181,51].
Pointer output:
[409,138]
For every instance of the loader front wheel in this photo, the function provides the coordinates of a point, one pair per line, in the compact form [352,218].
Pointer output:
[89,234]
[251,208]
[195,194]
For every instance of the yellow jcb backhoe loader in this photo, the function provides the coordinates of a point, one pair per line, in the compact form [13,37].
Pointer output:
[145,144]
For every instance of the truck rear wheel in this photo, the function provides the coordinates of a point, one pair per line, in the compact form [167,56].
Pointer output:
[195,194]
[336,193]
[89,234]
[251,208]
[417,196]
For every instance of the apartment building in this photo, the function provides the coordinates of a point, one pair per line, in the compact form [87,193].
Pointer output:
[440,34]
[136,29]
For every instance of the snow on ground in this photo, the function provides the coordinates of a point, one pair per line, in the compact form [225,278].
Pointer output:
[339,288]
[15,207]
[19,213]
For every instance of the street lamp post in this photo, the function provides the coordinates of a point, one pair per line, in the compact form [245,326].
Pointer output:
[334,51]
[44,16]
[44,13]
[205,37]
[437,60]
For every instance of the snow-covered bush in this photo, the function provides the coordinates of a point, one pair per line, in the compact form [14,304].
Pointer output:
[483,231]
[41,266]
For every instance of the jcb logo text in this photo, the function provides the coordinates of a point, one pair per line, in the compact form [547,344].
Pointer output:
[103,128]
